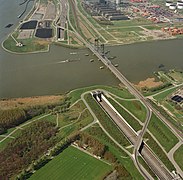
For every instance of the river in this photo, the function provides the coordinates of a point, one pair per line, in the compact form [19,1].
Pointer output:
[50,73]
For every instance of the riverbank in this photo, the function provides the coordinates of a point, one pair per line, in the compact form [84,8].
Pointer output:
[121,32]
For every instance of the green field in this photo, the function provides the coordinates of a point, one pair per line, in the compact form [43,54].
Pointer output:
[120,92]
[162,133]
[106,121]
[163,95]
[128,117]
[158,151]
[30,45]
[135,107]
[178,156]
[73,164]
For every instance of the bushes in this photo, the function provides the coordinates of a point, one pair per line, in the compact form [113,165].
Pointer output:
[163,86]
[122,172]
[10,118]
[29,146]
[97,147]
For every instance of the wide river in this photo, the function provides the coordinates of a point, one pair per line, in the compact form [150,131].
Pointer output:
[50,73]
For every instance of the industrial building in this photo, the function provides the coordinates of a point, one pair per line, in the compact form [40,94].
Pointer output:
[106,9]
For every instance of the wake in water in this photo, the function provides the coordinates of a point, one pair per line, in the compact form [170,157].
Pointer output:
[67,61]
[19,16]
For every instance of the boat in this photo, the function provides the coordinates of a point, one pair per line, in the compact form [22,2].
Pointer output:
[101,67]
[112,57]
[161,66]
[73,53]
[91,60]
[86,54]
[116,65]
[9,25]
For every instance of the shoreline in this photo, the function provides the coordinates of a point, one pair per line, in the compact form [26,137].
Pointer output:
[25,19]
[81,47]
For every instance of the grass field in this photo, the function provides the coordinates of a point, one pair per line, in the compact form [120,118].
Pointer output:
[158,151]
[106,121]
[129,119]
[121,92]
[178,156]
[72,164]
[162,133]
[135,107]
[30,45]
[163,95]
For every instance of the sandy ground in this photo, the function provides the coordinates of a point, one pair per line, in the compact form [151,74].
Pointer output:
[149,83]
[29,101]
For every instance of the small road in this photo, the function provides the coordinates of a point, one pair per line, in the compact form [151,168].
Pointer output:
[170,155]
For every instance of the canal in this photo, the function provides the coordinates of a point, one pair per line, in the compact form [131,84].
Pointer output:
[63,69]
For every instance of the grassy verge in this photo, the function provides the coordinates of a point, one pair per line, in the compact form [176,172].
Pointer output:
[135,107]
[177,124]
[178,156]
[83,121]
[120,92]
[106,122]
[163,95]
[29,45]
[159,152]
[129,119]
[162,133]
[143,163]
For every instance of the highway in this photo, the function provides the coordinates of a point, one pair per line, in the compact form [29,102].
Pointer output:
[139,96]
[155,164]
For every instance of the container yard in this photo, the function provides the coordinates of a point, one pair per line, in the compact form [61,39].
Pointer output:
[173,30]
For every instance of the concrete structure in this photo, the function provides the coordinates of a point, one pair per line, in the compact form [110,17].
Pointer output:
[168,3]
[172,7]
[180,6]
[117,2]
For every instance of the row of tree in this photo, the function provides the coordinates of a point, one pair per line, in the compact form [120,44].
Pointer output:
[32,143]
